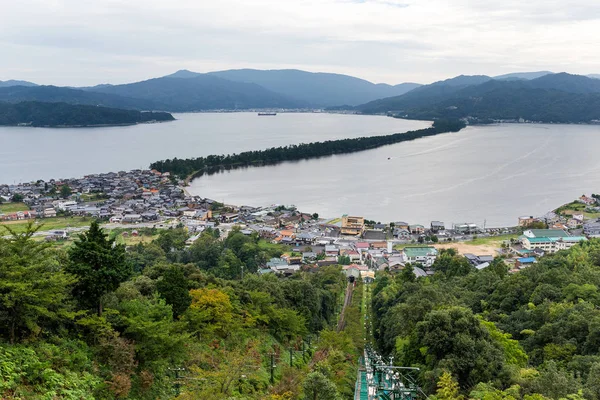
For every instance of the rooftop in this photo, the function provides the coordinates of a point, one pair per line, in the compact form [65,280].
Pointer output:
[545,233]
[420,251]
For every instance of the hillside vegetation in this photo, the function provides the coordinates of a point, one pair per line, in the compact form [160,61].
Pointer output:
[492,335]
[36,113]
[165,321]
[559,98]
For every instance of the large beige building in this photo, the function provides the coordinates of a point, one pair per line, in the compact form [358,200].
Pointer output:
[352,225]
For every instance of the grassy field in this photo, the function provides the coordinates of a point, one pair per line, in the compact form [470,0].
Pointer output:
[576,207]
[48,224]
[591,215]
[492,239]
[9,208]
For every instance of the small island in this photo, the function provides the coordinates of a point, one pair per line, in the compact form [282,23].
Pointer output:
[41,114]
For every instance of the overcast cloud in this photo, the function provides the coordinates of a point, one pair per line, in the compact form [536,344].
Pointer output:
[85,42]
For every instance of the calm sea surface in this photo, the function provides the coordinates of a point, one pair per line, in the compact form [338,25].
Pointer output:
[482,174]
[492,174]
[44,153]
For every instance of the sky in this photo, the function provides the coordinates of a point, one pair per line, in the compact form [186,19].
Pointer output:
[88,42]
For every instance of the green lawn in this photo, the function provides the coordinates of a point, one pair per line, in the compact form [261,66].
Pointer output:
[591,215]
[570,208]
[492,239]
[48,223]
[9,208]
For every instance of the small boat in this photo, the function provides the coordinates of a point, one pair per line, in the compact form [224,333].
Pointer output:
[269,114]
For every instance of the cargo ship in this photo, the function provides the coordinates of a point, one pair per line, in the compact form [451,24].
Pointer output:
[262,114]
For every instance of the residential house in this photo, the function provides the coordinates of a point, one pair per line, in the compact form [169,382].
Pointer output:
[331,251]
[478,260]
[466,228]
[592,229]
[578,217]
[416,229]
[379,245]
[525,262]
[401,233]
[132,218]
[306,237]
[587,200]
[526,221]
[352,254]
[437,226]
[401,225]
[49,213]
[286,236]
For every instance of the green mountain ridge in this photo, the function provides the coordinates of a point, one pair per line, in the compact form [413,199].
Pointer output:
[315,88]
[561,97]
[62,114]
[201,92]
[55,94]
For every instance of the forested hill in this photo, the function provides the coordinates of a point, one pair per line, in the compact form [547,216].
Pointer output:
[55,94]
[561,98]
[487,334]
[201,92]
[215,163]
[317,89]
[34,113]
[163,320]
[241,89]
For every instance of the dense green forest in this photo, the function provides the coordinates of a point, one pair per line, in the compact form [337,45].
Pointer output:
[559,98]
[492,335]
[35,113]
[164,321]
[540,105]
[216,163]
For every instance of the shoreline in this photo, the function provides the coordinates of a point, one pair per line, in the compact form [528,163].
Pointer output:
[85,126]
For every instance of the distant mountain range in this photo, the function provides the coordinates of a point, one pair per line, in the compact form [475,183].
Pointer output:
[199,92]
[523,75]
[53,94]
[563,96]
[316,89]
[33,113]
[15,83]
[232,90]
[548,98]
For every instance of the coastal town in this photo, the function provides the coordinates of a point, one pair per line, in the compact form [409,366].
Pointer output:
[130,201]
